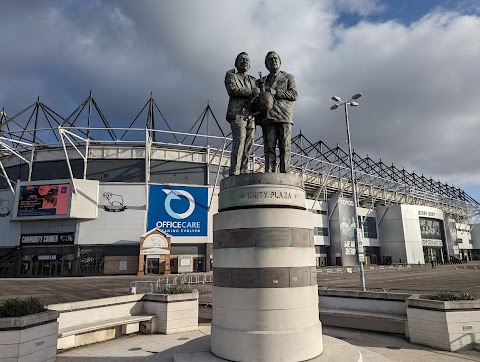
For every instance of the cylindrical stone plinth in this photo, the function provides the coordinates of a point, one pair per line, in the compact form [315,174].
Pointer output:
[265,298]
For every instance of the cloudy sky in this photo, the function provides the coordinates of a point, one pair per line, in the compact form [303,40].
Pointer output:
[415,62]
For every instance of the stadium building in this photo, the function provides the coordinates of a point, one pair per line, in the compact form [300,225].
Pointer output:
[79,197]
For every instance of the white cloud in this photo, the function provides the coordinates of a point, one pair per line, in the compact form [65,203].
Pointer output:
[419,81]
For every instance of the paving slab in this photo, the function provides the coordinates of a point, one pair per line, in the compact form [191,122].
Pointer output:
[374,347]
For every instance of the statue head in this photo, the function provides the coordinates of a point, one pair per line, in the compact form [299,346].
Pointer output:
[272,62]
[242,62]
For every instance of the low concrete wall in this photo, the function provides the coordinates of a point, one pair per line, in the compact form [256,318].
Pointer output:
[172,314]
[375,311]
[29,338]
[97,310]
[175,312]
[449,326]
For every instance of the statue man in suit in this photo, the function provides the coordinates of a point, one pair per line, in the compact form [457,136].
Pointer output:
[242,89]
[277,128]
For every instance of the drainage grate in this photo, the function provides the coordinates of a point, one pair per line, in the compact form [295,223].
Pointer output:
[392,347]
[135,349]
[183,339]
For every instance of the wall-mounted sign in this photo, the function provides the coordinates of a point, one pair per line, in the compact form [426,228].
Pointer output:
[178,210]
[47,257]
[114,201]
[452,240]
[430,229]
[5,207]
[47,239]
[430,242]
[154,251]
[348,228]
[155,241]
[43,200]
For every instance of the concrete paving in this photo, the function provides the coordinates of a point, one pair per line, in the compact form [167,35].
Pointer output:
[422,278]
[70,289]
[375,347]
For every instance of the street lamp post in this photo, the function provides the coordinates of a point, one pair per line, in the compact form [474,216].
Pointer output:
[357,236]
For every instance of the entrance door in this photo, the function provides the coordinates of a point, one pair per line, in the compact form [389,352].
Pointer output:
[152,266]
[43,268]
[26,268]
[198,264]
[367,259]
[323,261]
[163,261]
[387,260]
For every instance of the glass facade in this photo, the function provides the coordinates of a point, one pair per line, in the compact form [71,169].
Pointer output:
[47,261]
[320,231]
[7,266]
[92,260]
[369,227]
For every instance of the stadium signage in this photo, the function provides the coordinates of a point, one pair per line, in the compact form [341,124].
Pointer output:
[178,210]
[426,213]
[47,239]
[432,242]
[43,200]
[345,202]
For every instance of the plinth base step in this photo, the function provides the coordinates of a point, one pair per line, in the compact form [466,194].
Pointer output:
[334,349]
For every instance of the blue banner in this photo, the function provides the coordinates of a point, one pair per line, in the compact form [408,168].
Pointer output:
[178,210]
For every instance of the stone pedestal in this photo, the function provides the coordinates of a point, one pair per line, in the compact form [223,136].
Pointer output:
[265,298]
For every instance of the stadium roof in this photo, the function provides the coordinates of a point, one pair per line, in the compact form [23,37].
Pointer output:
[326,170]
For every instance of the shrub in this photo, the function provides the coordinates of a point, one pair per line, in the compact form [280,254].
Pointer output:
[175,289]
[17,307]
[449,296]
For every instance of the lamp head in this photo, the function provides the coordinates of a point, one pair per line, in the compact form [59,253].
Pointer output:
[356,96]
[354,104]
[335,106]
[336,99]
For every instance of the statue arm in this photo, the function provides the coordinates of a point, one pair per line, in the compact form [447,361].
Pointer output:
[233,87]
[291,92]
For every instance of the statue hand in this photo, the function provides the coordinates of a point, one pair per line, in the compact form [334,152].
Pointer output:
[272,91]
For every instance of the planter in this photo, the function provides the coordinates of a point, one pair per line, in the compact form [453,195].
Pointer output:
[175,312]
[29,338]
[449,326]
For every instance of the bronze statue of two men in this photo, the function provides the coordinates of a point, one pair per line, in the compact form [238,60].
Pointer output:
[267,102]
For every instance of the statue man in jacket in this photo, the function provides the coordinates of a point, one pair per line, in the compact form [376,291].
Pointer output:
[242,89]
[277,129]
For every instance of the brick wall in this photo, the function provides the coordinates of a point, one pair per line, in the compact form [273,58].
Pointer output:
[112,265]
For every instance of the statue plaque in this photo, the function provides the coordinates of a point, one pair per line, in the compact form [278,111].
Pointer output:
[300,277]
[241,238]
[220,239]
[222,277]
[274,278]
[301,237]
[265,237]
[245,278]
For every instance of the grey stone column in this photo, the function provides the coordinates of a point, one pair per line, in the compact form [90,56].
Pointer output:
[265,297]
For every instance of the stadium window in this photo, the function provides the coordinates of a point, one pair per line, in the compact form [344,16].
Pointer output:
[369,227]
[320,231]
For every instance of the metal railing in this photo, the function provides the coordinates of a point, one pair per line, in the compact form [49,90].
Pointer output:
[203,283]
